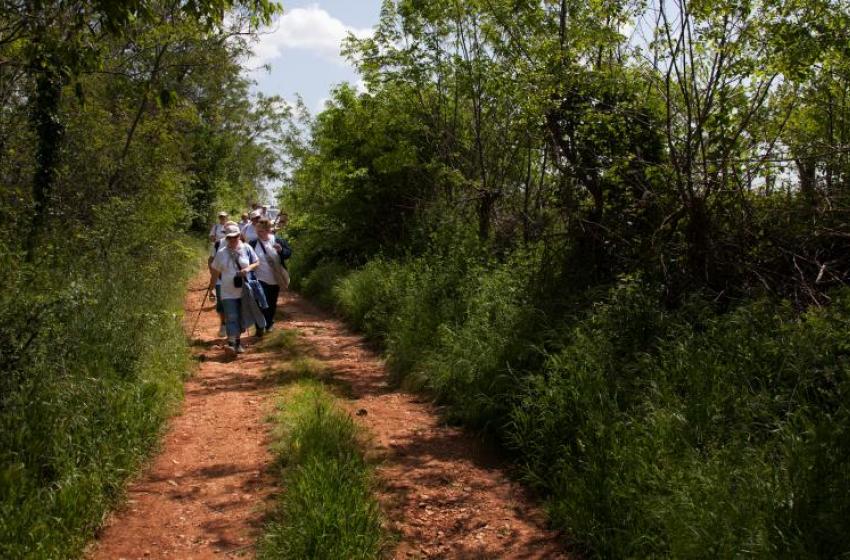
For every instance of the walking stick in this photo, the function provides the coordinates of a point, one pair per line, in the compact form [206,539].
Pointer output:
[200,309]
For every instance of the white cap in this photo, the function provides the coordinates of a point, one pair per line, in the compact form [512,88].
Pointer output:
[255,214]
[222,214]
[231,231]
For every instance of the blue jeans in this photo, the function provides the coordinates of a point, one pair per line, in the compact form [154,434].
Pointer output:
[218,307]
[232,317]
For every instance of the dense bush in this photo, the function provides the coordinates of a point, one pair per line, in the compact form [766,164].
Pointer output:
[629,263]
[89,387]
[680,433]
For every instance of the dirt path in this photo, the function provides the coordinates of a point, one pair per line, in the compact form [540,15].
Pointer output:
[444,493]
[204,496]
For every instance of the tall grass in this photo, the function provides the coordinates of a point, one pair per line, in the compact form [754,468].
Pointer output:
[327,510]
[98,355]
[652,432]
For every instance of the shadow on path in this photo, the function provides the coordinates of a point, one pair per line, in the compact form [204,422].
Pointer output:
[445,492]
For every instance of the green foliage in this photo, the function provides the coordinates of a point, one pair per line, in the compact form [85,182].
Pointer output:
[327,510]
[319,283]
[616,237]
[404,304]
[361,180]
[122,124]
[691,446]
[681,433]
[84,401]
[655,433]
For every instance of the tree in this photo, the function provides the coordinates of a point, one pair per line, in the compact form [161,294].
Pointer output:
[54,42]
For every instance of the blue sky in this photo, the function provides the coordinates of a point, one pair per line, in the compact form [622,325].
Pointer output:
[302,48]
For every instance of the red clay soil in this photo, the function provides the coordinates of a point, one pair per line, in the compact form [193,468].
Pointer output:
[205,494]
[444,494]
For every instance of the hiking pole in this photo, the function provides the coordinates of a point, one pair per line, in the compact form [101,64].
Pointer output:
[200,310]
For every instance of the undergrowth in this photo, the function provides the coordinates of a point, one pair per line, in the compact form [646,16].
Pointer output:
[97,358]
[686,432]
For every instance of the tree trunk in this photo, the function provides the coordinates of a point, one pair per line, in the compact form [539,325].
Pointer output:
[698,235]
[49,130]
[485,212]
[807,169]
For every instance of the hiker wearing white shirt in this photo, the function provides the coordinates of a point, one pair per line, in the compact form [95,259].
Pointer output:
[272,253]
[219,308]
[232,264]
[249,232]
[217,230]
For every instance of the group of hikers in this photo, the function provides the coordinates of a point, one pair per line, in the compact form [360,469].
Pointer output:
[247,264]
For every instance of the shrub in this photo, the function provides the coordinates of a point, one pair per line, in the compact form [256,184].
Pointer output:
[691,431]
[369,297]
[712,442]
[97,356]
[473,359]
[653,432]
[320,281]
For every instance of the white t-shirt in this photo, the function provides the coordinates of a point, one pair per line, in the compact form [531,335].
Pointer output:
[250,232]
[217,231]
[225,262]
[265,251]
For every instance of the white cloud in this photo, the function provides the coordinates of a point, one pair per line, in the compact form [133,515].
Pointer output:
[311,29]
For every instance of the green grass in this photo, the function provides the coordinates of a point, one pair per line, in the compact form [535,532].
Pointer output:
[650,432]
[296,369]
[84,408]
[284,341]
[327,510]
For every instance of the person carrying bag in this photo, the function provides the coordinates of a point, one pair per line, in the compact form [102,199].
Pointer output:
[271,272]
[234,263]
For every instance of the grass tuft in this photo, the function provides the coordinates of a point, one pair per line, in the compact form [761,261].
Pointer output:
[301,367]
[327,510]
[285,341]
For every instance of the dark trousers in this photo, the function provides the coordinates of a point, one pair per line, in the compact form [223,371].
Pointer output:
[271,291]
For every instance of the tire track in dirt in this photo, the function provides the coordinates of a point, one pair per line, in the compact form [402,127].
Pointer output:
[444,492]
[204,495]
